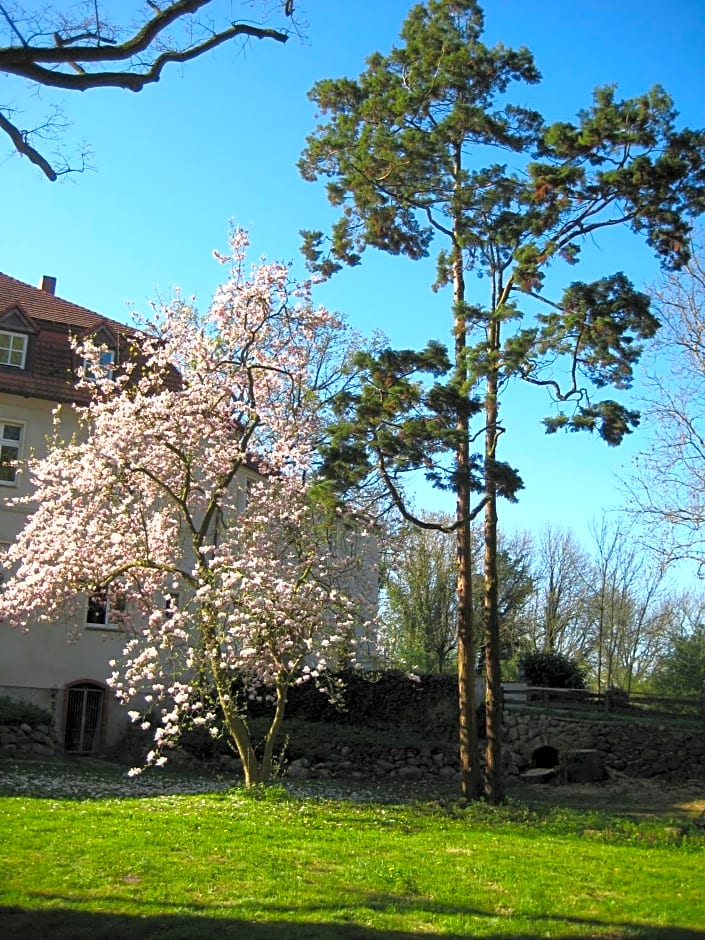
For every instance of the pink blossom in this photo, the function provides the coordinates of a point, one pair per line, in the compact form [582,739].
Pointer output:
[190,476]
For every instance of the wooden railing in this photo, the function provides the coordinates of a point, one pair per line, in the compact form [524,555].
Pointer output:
[609,701]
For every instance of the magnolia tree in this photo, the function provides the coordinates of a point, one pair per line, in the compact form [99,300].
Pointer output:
[186,496]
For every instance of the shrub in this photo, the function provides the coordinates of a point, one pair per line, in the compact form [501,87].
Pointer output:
[553,671]
[420,708]
[17,712]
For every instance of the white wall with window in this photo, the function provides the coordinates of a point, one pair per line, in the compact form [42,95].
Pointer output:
[11,440]
[25,425]
[45,665]
[106,608]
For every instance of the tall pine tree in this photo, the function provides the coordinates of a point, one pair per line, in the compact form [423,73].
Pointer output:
[426,152]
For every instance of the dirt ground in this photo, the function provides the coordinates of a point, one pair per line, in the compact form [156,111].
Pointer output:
[627,796]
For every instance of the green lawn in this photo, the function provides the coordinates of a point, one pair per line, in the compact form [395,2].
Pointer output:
[88,854]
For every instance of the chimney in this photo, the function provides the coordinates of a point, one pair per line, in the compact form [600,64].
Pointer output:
[48,284]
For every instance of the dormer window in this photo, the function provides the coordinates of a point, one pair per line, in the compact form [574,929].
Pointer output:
[106,362]
[99,356]
[13,349]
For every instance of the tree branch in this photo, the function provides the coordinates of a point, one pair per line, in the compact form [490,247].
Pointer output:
[22,146]
[130,81]
[14,59]
[140,59]
[406,514]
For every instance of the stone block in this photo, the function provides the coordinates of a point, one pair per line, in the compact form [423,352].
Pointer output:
[409,772]
[582,765]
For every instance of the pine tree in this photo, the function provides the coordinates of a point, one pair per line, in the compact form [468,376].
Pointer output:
[426,152]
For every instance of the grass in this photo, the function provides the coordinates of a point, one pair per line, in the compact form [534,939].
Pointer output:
[87,853]
[685,722]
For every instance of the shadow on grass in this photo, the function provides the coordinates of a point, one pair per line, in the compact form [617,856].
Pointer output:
[61,923]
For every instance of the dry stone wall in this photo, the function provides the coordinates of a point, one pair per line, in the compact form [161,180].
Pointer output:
[638,750]
[23,740]
[669,754]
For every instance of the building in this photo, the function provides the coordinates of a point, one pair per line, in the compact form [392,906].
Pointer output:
[38,371]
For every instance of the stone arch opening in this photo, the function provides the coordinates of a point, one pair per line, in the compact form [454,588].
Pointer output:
[545,757]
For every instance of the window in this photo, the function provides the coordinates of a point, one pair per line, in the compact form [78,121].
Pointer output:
[106,608]
[106,361]
[172,600]
[13,349]
[10,451]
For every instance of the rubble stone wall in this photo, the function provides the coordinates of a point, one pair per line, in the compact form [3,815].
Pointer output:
[638,750]
[22,740]
[631,749]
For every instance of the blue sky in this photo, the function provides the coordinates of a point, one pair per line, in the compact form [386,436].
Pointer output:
[218,140]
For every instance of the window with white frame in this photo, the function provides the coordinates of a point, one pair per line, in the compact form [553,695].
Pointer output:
[13,349]
[11,435]
[106,607]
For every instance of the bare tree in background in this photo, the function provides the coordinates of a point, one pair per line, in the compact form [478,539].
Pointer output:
[76,47]
[558,623]
[680,670]
[420,598]
[667,489]
[629,607]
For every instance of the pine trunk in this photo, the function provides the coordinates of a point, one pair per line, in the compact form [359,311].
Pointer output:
[493,675]
[471,785]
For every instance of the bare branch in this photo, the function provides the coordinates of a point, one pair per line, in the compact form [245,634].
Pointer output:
[76,57]
[60,41]
[12,25]
[409,516]
[21,145]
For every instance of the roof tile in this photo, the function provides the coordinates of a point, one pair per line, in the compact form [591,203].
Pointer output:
[51,364]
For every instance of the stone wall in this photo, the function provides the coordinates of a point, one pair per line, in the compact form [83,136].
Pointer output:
[583,751]
[402,764]
[22,740]
[638,750]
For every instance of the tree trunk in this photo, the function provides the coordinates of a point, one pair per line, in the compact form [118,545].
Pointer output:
[469,744]
[255,770]
[268,754]
[240,736]
[468,738]
[493,675]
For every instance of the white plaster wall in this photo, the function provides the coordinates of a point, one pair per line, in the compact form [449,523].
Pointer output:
[39,664]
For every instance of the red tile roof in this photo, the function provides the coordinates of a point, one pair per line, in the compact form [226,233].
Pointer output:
[51,364]
[41,305]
